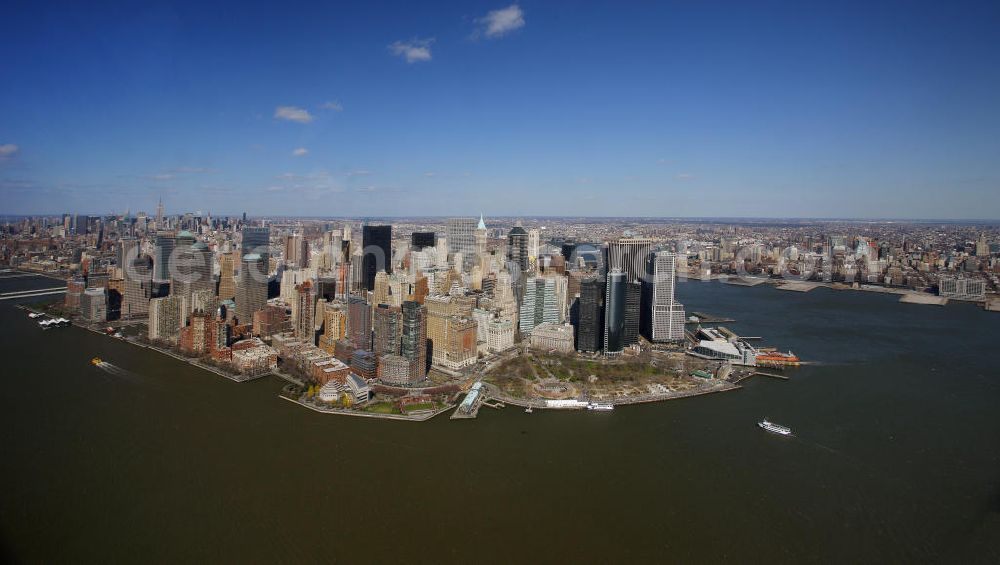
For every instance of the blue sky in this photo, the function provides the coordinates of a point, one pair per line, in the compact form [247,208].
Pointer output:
[804,109]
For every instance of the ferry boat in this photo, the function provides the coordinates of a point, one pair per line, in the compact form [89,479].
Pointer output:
[600,406]
[774,428]
[778,359]
[96,361]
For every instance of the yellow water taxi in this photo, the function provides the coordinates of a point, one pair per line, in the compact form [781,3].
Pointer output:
[96,361]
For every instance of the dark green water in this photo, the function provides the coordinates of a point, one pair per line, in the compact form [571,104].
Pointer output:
[897,457]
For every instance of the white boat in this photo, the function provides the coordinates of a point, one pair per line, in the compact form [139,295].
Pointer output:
[774,428]
[601,406]
[528,410]
[33,315]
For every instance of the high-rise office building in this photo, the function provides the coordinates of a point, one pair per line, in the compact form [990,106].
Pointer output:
[517,247]
[534,242]
[462,239]
[628,255]
[192,272]
[614,313]
[296,251]
[544,301]
[227,276]
[662,315]
[251,288]
[126,250]
[138,287]
[376,242]
[413,339]
[422,239]
[590,325]
[257,241]
[164,244]
[633,303]
[359,323]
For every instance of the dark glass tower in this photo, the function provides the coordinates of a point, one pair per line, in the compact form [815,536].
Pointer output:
[162,251]
[517,247]
[422,239]
[376,243]
[590,328]
[633,299]
[614,313]
[257,240]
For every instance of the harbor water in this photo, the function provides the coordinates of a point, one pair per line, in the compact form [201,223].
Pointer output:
[895,458]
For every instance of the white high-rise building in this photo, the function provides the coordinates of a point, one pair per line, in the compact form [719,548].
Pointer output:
[664,316]
[629,255]
[544,301]
[534,238]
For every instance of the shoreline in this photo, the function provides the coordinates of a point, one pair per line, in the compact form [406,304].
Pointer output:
[493,393]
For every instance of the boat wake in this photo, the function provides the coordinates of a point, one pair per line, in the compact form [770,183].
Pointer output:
[118,371]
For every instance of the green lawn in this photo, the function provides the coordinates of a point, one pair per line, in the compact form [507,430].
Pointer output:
[382,408]
[421,406]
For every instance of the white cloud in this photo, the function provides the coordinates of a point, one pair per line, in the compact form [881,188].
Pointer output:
[300,152]
[332,105]
[413,51]
[685,176]
[293,114]
[503,21]
[191,170]
[8,150]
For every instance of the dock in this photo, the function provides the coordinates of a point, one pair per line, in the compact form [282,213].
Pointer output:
[709,319]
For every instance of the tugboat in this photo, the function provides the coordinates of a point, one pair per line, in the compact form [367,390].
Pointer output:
[774,428]
[96,361]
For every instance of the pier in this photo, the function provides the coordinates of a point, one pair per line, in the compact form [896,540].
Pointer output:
[710,319]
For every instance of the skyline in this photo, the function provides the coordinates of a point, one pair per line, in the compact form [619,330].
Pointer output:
[676,111]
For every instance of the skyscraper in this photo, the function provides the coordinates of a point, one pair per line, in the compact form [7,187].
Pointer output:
[590,328]
[359,323]
[138,287]
[163,248]
[663,316]
[517,247]
[227,276]
[628,255]
[633,302]
[413,339]
[388,329]
[376,243]
[614,313]
[421,239]
[251,288]
[544,301]
[296,250]
[192,272]
[534,242]
[462,239]
[302,314]
[257,240]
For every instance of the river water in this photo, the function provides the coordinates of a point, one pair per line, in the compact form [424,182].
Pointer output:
[896,459]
